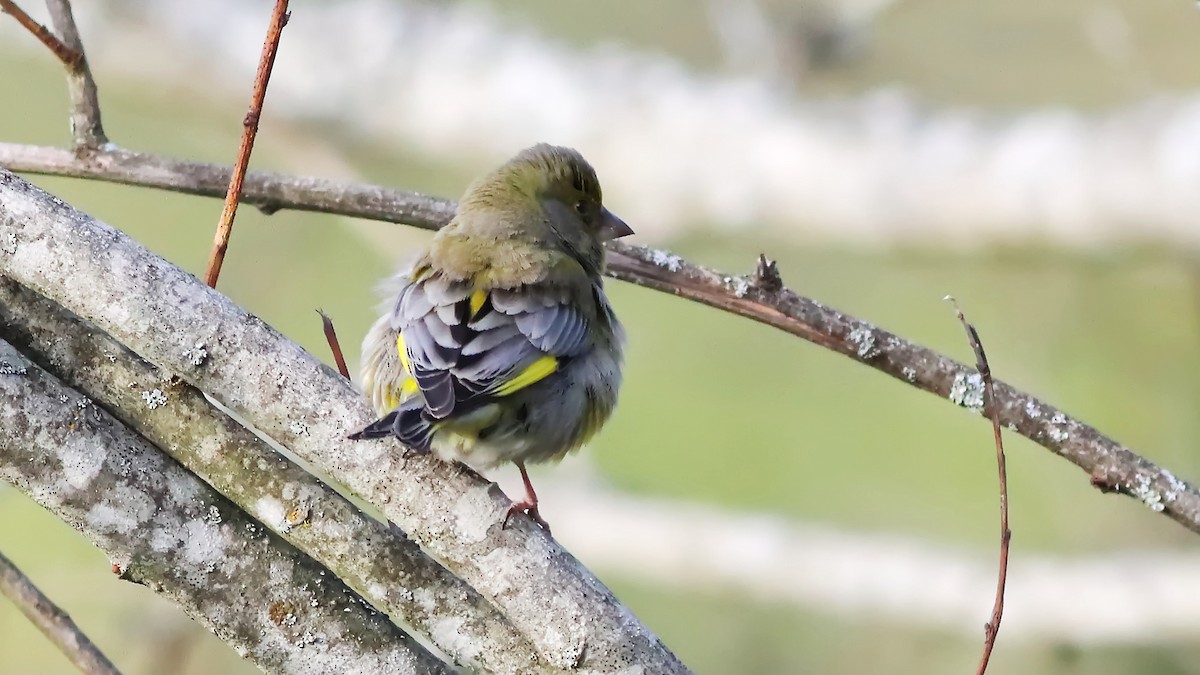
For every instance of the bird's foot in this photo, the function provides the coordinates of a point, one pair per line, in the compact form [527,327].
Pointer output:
[528,508]
[409,453]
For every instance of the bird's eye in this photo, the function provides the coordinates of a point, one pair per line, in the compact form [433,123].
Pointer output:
[581,207]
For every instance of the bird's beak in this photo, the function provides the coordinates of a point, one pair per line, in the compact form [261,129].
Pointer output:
[612,227]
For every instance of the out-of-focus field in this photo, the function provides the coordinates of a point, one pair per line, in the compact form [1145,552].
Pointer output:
[717,409]
[1069,52]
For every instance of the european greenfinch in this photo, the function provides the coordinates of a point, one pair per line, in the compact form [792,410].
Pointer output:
[500,344]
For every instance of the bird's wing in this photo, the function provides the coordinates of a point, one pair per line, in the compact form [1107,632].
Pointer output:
[466,345]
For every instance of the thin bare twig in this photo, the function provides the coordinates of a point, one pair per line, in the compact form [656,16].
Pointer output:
[68,56]
[279,19]
[760,296]
[85,100]
[992,627]
[268,191]
[53,621]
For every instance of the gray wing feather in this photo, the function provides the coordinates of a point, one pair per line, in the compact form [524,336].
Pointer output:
[499,364]
[489,339]
[438,329]
[559,330]
[411,305]
[452,362]
[442,291]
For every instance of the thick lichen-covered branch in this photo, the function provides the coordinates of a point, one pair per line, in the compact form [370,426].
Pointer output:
[390,570]
[760,296]
[162,313]
[164,528]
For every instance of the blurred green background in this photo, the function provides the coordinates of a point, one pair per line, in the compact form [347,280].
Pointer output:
[1112,336]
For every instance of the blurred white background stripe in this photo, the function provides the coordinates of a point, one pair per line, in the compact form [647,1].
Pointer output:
[1131,597]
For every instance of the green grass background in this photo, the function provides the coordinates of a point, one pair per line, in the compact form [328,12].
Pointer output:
[717,409]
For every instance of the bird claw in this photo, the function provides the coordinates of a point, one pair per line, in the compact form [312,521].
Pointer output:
[528,508]
[409,453]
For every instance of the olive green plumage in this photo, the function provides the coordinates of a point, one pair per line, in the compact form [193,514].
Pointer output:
[500,344]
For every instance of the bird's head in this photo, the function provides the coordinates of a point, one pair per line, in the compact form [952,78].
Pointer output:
[552,194]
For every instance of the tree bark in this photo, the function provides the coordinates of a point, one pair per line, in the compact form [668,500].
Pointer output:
[164,528]
[386,567]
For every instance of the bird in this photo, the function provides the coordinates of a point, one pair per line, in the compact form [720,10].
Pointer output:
[498,343]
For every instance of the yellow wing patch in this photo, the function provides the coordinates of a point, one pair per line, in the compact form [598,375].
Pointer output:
[408,386]
[403,353]
[477,299]
[393,398]
[534,372]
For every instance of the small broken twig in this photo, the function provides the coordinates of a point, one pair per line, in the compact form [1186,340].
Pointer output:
[992,627]
[279,19]
[334,346]
[53,621]
[68,56]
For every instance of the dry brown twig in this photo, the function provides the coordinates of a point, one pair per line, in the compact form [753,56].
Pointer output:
[992,627]
[86,128]
[53,621]
[334,345]
[68,56]
[279,19]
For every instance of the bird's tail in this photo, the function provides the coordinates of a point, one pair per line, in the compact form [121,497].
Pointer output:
[383,375]
[409,423]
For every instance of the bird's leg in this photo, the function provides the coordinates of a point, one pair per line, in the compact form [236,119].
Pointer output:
[529,505]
